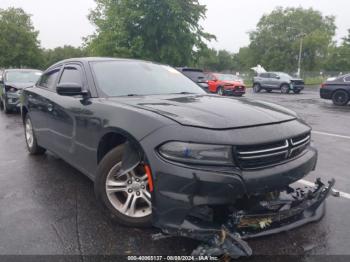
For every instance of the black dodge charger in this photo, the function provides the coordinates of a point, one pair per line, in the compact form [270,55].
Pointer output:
[162,152]
[337,89]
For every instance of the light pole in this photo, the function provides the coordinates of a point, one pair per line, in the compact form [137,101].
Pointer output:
[300,53]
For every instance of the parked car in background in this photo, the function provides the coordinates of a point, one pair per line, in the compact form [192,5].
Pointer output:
[161,151]
[12,82]
[337,89]
[277,81]
[196,75]
[226,84]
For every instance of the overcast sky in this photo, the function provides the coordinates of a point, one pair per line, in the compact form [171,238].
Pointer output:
[65,21]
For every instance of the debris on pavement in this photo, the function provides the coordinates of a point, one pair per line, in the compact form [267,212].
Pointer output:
[276,213]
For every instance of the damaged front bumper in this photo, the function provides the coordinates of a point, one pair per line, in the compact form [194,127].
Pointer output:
[276,213]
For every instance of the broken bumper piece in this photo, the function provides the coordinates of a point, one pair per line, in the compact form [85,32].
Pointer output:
[274,214]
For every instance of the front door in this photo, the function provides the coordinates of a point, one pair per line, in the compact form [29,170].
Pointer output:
[69,122]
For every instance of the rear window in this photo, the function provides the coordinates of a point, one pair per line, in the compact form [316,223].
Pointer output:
[22,76]
[195,75]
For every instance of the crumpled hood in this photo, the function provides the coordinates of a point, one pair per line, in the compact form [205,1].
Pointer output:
[19,85]
[211,111]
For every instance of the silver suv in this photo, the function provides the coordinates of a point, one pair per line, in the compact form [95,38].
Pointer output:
[277,81]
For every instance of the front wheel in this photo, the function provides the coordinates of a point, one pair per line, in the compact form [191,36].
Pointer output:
[220,91]
[340,98]
[285,89]
[31,141]
[124,194]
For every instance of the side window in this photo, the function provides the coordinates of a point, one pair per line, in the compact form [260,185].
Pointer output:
[264,75]
[347,79]
[71,74]
[273,76]
[48,80]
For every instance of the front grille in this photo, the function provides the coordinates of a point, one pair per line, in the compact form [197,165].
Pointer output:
[298,82]
[263,155]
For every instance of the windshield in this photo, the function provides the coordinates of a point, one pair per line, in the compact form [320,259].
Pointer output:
[227,77]
[22,76]
[123,78]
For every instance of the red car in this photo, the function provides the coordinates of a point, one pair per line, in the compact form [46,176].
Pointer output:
[226,84]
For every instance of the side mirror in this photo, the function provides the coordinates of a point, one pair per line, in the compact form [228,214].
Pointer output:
[278,77]
[70,89]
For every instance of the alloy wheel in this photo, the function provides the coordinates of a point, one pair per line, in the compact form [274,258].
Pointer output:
[220,91]
[128,191]
[29,133]
[340,98]
[256,88]
[285,89]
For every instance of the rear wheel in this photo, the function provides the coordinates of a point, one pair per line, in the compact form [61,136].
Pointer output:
[31,141]
[285,89]
[256,88]
[340,98]
[124,194]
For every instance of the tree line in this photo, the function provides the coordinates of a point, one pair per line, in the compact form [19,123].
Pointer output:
[170,32]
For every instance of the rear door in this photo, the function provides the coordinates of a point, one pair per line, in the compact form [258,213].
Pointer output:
[39,105]
[264,80]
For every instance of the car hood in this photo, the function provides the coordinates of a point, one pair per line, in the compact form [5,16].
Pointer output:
[211,111]
[19,85]
[232,82]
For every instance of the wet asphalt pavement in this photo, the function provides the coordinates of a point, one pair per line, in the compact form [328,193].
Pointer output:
[49,208]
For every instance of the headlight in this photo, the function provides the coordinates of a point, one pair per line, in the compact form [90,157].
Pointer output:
[197,153]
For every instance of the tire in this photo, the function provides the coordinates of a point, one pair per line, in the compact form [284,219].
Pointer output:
[5,107]
[112,202]
[285,89]
[1,105]
[31,141]
[340,98]
[297,91]
[256,88]
[220,91]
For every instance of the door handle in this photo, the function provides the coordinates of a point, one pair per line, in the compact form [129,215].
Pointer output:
[50,107]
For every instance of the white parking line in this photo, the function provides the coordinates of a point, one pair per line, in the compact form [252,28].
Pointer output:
[330,134]
[307,183]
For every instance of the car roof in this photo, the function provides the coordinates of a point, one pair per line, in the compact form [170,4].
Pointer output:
[96,59]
